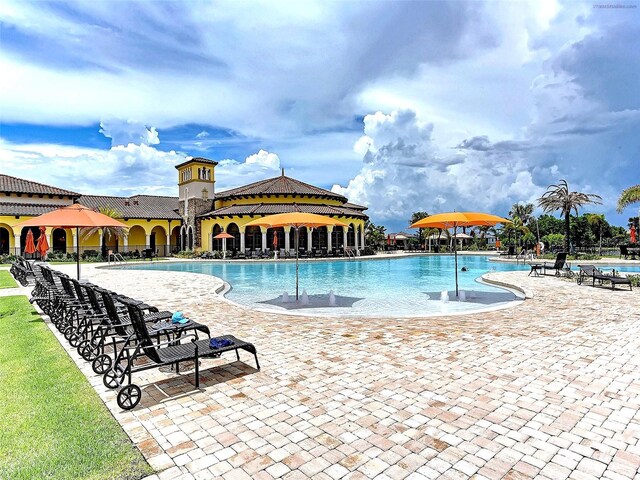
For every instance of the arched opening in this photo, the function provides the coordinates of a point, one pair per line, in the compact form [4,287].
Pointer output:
[183,238]
[4,241]
[253,238]
[351,237]
[360,246]
[59,240]
[275,238]
[175,240]
[216,242]
[319,238]
[190,238]
[158,241]
[23,239]
[337,237]
[233,243]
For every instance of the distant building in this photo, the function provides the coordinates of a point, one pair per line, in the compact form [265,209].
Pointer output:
[189,221]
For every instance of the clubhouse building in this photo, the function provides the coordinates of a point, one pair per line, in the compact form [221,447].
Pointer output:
[189,221]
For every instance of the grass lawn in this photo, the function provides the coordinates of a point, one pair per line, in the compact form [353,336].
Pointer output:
[52,422]
[6,280]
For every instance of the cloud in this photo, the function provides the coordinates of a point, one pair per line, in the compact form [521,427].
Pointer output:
[405,171]
[259,166]
[202,134]
[124,132]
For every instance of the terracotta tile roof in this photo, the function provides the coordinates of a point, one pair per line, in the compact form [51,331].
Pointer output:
[282,185]
[9,184]
[355,206]
[197,159]
[25,209]
[138,206]
[272,208]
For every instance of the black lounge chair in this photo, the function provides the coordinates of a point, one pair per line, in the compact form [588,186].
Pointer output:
[593,272]
[558,265]
[511,251]
[159,354]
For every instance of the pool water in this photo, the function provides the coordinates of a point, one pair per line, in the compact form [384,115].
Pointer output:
[407,286]
[395,287]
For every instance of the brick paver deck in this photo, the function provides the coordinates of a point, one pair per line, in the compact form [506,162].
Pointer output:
[548,389]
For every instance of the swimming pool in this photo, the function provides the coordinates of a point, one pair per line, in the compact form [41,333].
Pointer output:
[407,286]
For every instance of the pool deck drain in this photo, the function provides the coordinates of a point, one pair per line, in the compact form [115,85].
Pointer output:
[547,389]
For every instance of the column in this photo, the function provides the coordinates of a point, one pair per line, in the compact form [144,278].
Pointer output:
[16,244]
[76,243]
[49,232]
[125,243]
[148,244]
[263,244]
[329,232]
[241,239]
[344,237]
[309,238]
[167,249]
[362,238]
[287,239]
[211,241]
[355,238]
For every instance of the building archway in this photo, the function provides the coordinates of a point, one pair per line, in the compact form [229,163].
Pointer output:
[137,238]
[233,244]
[158,240]
[216,243]
[59,240]
[277,232]
[351,236]
[253,238]
[175,239]
[23,239]
[190,238]
[319,237]
[337,237]
[4,241]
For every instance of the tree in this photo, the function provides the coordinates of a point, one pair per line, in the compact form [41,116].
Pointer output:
[558,197]
[108,231]
[522,210]
[423,233]
[627,197]
[374,235]
[597,220]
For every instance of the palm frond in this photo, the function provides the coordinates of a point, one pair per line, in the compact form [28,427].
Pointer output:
[627,197]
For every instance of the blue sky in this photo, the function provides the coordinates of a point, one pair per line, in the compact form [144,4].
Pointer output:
[401,106]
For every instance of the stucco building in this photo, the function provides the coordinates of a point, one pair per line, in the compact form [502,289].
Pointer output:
[189,221]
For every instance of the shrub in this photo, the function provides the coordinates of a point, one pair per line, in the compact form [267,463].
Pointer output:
[635,280]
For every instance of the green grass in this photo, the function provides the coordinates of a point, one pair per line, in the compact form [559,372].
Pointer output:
[6,280]
[52,422]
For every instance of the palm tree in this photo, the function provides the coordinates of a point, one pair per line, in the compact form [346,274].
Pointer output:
[415,216]
[627,197]
[522,210]
[558,197]
[597,220]
[108,231]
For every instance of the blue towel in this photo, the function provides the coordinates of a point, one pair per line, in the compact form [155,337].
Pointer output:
[220,342]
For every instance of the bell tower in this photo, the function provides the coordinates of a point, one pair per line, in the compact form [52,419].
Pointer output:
[196,192]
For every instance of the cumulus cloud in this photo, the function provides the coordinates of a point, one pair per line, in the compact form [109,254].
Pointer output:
[202,134]
[259,166]
[124,132]
[405,171]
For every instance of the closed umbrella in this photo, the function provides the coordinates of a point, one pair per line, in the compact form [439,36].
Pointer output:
[224,236]
[29,245]
[296,220]
[455,220]
[632,233]
[43,244]
[74,216]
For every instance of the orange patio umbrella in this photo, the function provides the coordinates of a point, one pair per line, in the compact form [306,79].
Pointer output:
[297,220]
[43,244]
[455,220]
[29,245]
[223,236]
[73,216]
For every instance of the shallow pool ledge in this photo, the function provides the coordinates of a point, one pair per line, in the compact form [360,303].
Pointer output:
[488,277]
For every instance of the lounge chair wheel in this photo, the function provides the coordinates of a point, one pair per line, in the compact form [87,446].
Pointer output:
[113,377]
[101,364]
[67,332]
[84,349]
[74,339]
[129,397]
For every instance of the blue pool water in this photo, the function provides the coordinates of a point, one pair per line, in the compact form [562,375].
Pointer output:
[406,286]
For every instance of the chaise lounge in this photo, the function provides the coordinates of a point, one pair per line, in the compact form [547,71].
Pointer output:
[558,265]
[598,275]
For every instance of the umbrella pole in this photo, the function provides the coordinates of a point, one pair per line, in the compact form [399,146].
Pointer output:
[455,254]
[78,251]
[297,252]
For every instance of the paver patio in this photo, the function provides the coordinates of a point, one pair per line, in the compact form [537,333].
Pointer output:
[548,389]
